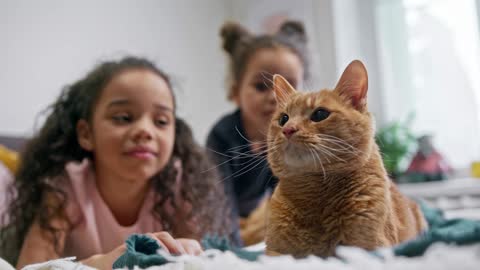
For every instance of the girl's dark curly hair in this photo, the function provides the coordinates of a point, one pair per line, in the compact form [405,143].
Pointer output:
[46,154]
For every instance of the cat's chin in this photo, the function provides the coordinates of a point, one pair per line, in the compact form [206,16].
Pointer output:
[297,156]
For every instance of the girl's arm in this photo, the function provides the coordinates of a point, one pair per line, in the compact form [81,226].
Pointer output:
[105,261]
[39,245]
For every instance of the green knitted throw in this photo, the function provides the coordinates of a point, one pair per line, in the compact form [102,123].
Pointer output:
[451,231]
[142,250]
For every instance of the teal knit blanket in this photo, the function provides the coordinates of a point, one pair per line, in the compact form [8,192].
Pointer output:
[142,250]
[451,231]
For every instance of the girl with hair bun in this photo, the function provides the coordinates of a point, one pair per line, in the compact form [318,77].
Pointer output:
[238,140]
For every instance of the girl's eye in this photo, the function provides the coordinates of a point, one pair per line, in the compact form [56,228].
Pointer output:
[161,122]
[319,115]
[283,120]
[261,87]
[122,118]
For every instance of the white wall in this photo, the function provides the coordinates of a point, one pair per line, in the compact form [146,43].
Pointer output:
[356,38]
[47,44]
[317,17]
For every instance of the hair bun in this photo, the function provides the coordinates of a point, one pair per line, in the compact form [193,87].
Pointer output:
[293,29]
[231,34]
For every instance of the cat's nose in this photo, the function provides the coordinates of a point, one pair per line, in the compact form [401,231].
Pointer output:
[289,131]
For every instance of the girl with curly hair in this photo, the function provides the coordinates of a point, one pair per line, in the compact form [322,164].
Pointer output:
[112,159]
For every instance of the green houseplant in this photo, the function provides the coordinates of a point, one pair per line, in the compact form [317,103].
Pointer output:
[396,142]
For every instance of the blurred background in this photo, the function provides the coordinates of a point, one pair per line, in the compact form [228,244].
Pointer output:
[423,59]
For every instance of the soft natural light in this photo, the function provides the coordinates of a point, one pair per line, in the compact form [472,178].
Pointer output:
[431,59]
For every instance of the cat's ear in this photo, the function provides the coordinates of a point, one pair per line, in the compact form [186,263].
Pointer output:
[353,85]
[282,89]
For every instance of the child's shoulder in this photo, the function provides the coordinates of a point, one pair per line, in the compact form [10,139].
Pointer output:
[79,177]
[226,127]
[78,185]
[228,120]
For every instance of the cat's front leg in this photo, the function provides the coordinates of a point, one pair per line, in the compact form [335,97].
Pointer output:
[270,252]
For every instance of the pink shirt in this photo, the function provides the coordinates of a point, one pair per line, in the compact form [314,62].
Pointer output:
[95,229]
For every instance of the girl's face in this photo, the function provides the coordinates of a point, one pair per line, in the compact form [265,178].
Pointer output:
[133,126]
[255,93]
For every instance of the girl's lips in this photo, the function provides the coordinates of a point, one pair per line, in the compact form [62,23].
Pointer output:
[142,154]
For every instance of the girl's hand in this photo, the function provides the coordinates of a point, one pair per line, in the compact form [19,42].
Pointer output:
[177,246]
[164,239]
[105,261]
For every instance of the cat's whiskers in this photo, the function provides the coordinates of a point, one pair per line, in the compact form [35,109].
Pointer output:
[313,157]
[342,151]
[253,142]
[314,153]
[263,133]
[342,144]
[251,164]
[216,152]
[263,72]
[245,138]
[321,164]
[245,169]
[260,144]
[220,164]
[336,139]
[240,147]
[230,157]
[314,146]
[267,78]
[245,155]
[333,155]
[261,150]
[325,153]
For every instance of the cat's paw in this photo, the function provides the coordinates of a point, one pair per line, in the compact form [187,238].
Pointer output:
[270,252]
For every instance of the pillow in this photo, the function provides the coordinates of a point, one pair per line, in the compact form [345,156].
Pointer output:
[9,158]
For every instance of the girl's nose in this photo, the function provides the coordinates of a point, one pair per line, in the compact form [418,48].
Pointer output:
[143,131]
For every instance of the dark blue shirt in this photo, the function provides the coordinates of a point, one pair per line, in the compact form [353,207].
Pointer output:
[247,177]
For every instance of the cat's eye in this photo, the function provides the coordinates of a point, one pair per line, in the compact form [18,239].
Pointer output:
[319,114]
[283,119]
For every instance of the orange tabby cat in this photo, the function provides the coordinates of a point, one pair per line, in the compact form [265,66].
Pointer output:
[333,188]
